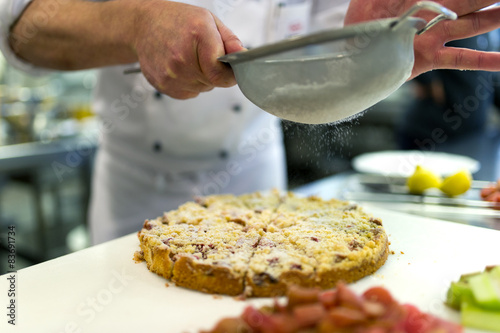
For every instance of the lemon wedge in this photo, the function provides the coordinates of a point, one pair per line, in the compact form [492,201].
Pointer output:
[422,179]
[457,183]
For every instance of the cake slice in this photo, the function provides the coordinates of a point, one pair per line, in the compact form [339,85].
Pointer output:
[204,246]
[276,264]
[313,242]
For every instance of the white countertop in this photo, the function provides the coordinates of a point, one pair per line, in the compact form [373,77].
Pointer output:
[102,289]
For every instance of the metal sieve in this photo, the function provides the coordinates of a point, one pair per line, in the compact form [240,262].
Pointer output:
[334,74]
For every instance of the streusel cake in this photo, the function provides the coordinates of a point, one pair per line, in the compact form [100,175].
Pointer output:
[260,244]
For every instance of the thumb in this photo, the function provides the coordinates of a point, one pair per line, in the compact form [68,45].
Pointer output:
[231,42]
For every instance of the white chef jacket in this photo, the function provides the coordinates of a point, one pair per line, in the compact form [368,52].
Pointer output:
[157,152]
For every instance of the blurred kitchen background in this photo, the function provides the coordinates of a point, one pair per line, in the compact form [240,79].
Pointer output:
[48,138]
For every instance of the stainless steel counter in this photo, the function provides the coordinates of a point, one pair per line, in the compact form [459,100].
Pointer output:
[69,151]
[42,170]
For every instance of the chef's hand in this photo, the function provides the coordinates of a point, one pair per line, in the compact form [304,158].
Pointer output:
[430,52]
[178,45]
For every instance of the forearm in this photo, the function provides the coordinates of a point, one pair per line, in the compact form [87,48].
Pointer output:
[76,34]
[176,44]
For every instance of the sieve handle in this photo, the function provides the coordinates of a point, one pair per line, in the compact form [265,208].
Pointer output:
[133,70]
[444,14]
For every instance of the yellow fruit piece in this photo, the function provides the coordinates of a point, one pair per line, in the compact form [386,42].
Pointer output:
[422,179]
[457,183]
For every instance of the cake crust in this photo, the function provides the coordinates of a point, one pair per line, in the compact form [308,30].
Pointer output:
[206,278]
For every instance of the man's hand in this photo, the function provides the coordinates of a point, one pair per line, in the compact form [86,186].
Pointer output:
[178,45]
[430,52]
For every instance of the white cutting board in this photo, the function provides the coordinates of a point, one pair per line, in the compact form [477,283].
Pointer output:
[101,289]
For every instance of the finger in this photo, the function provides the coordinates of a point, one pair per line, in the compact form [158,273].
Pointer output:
[177,88]
[471,25]
[205,88]
[464,7]
[198,87]
[209,49]
[231,42]
[181,94]
[467,59]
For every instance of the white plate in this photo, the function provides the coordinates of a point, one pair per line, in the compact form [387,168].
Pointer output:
[402,163]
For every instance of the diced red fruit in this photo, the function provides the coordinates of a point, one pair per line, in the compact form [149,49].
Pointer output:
[373,309]
[199,247]
[326,326]
[339,310]
[273,261]
[493,197]
[485,192]
[147,225]
[167,241]
[278,307]
[231,325]
[417,322]
[280,323]
[254,318]
[298,296]
[379,295]
[328,298]
[394,313]
[308,315]
[347,298]
[345,317]
[492,194]
[267,323]
[374,330]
